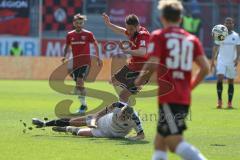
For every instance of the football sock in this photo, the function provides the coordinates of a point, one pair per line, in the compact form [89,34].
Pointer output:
[137,121]
[58,122]
[90,121]
[188,152]
[159,155]
[219,90]
[119,104]
[73,130]
[82,100]
[230,92]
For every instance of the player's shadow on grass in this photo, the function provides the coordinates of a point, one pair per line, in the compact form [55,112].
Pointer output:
[120,141]
[131,142]
[123,141]
[225,109]
[232,109]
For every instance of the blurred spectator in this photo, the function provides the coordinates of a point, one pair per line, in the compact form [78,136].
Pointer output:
[195,7]
[16,50]
[96,6]
[192,23]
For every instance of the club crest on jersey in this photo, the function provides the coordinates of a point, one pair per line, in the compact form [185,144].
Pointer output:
[83,37]
[150,47]
[142,43]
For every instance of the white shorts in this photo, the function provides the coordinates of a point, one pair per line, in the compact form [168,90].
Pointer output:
[104,130]
[228,70]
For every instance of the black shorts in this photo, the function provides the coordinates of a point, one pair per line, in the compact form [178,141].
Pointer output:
[80,72]
[126,77]
[172,119]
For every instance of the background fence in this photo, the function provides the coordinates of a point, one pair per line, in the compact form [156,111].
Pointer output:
[40,26]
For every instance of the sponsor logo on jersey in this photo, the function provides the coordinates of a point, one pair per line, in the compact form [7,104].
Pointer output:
[78,42]
[143,43]
[83,38]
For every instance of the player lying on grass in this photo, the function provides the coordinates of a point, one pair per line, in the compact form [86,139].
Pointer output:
[116,123]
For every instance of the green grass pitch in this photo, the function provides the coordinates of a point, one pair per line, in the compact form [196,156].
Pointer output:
[215,132]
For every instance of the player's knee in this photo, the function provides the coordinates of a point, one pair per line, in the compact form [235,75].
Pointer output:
[124,99]
[230,81]
[173,141]
[220,78]
[79,82]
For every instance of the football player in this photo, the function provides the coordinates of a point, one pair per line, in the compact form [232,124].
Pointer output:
[227,53]
[138,39]
[79,40]
[117,123]
[177,49]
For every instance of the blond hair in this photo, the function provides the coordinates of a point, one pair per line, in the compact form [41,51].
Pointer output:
[171,10]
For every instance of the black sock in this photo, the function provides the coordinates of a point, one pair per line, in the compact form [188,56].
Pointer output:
[219,90]
[230,92]
[58,122]
[118,105]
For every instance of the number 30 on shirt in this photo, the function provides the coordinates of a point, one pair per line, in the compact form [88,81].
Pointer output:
[180,55]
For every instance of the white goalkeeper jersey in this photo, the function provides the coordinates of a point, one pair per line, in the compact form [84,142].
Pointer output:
[227,49]
[120,127]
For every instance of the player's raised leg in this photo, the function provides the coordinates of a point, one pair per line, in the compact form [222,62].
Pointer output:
[124,95]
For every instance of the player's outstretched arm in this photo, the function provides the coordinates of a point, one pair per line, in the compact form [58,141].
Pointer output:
[116,29]
[238,54]
[95,43]
[204,68]
[65,53]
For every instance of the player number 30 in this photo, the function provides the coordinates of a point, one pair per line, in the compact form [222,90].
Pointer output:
[181,54]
